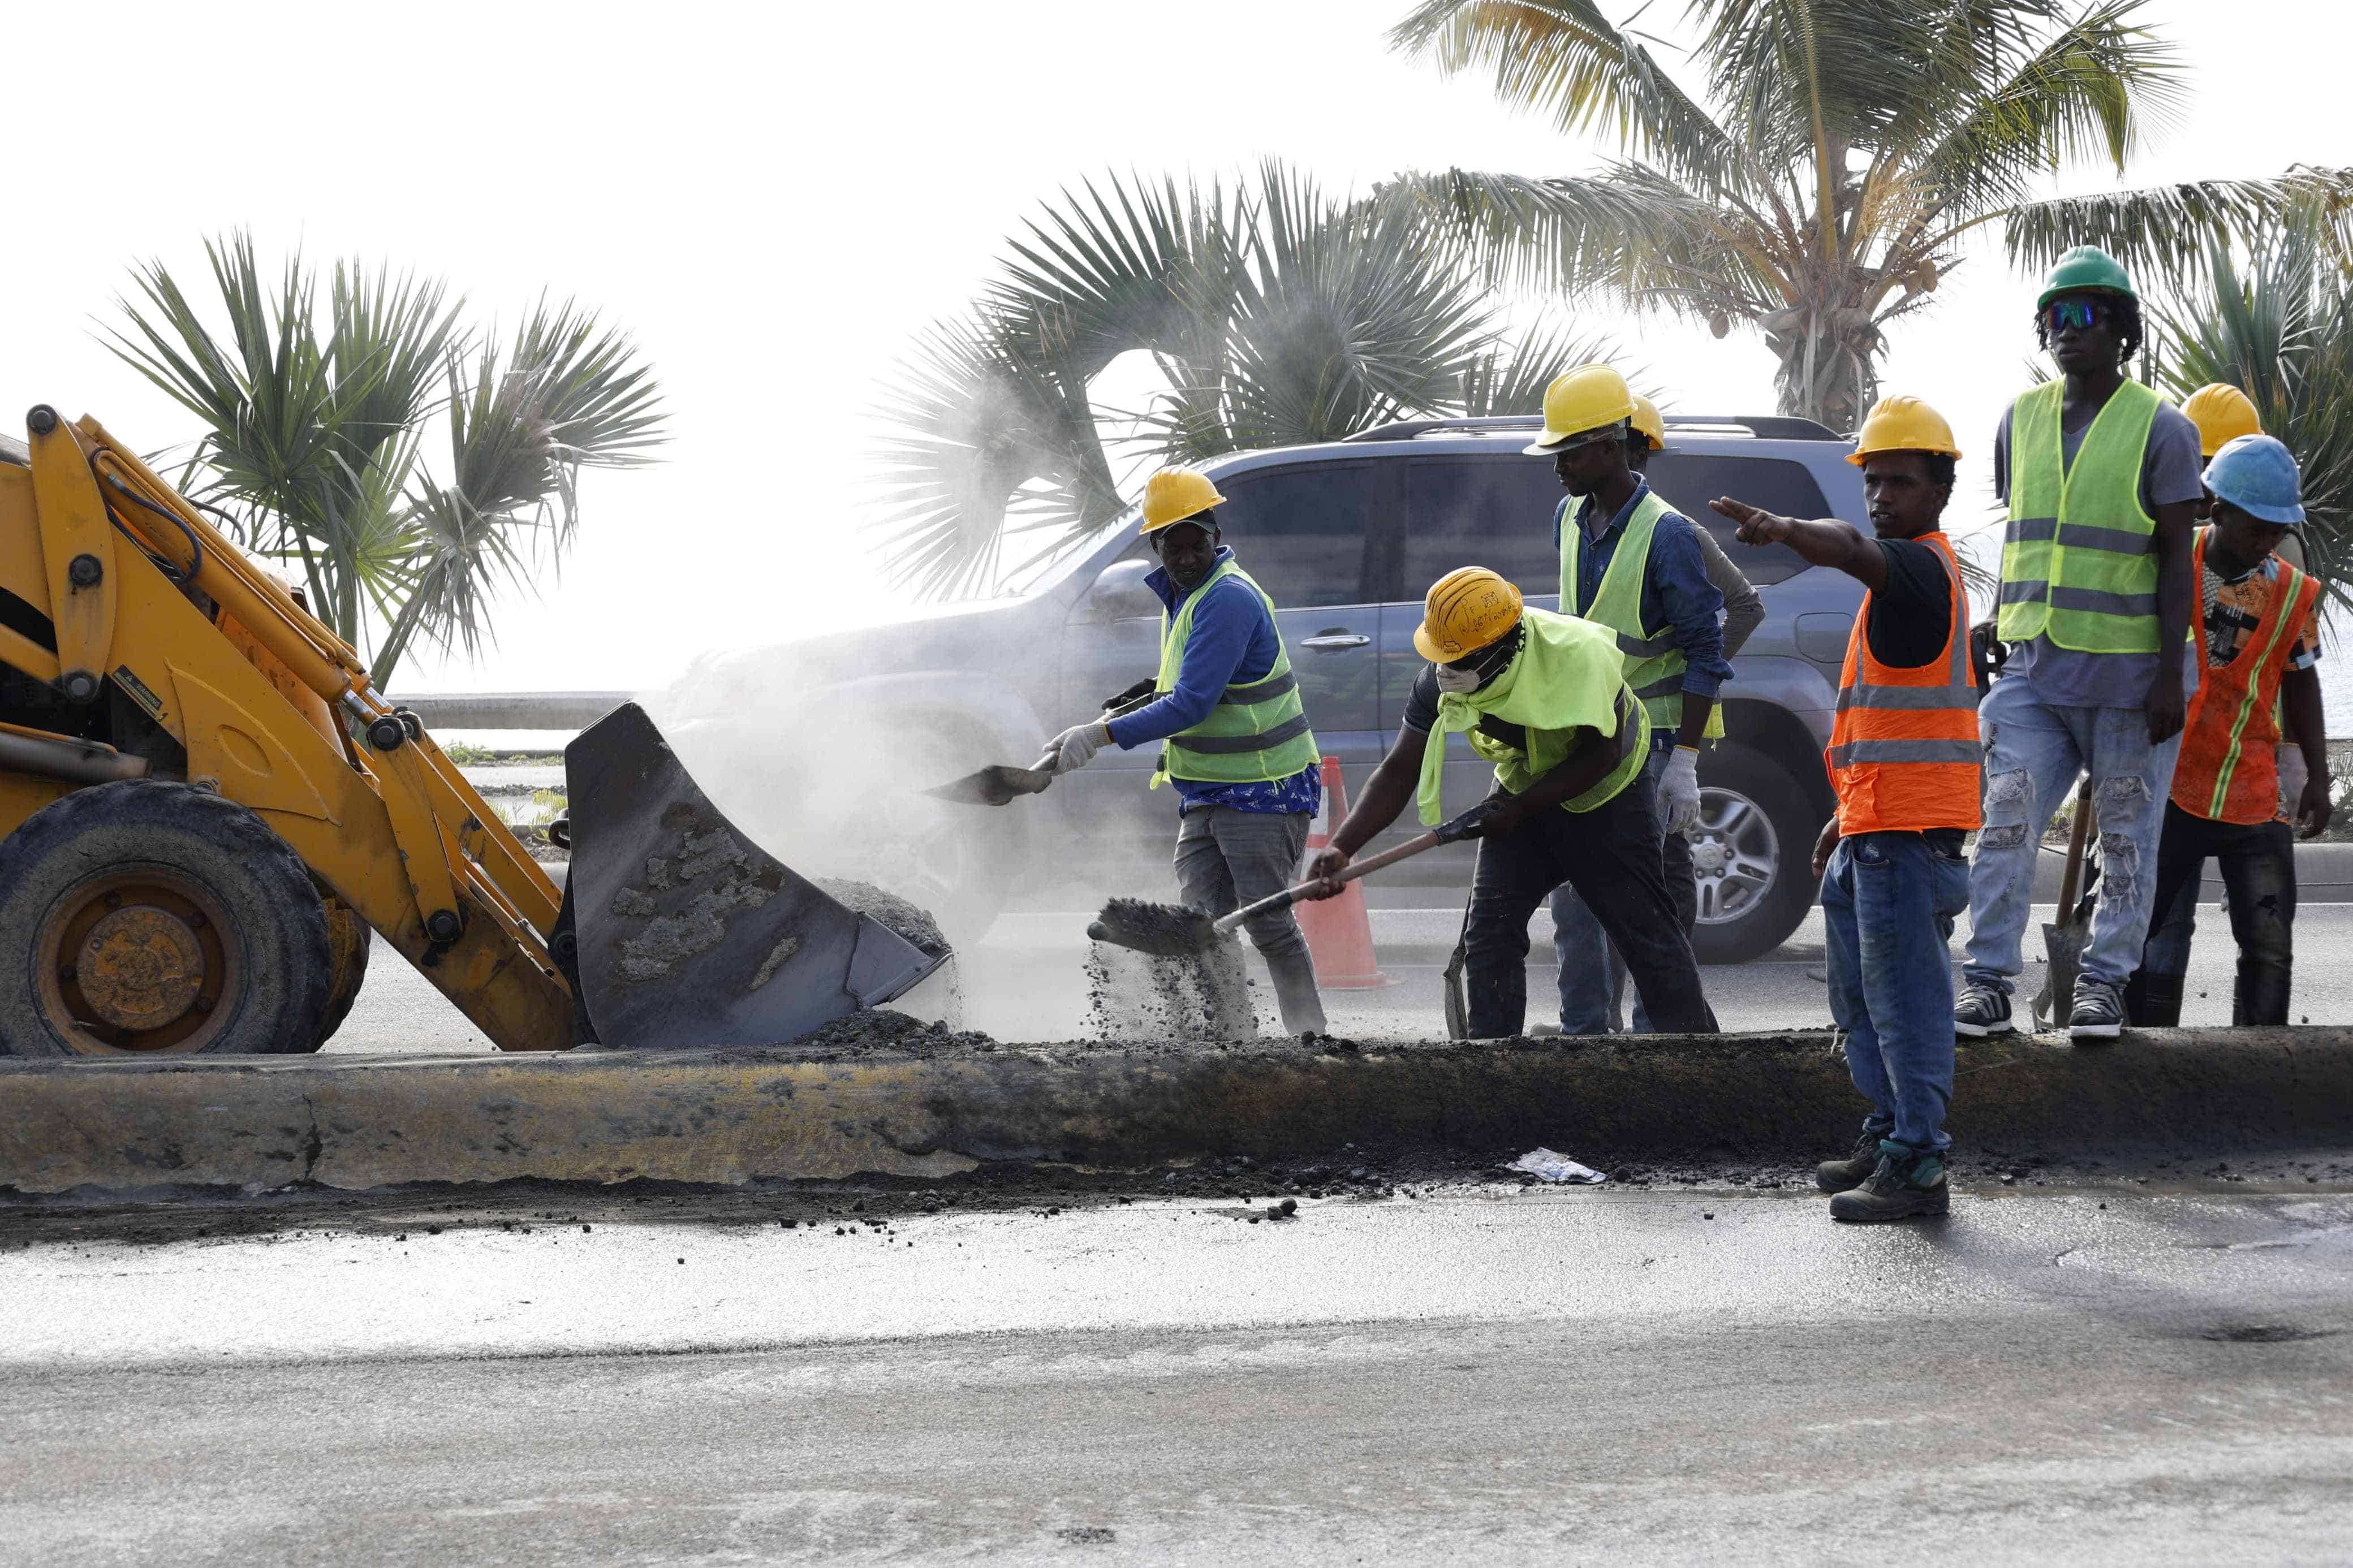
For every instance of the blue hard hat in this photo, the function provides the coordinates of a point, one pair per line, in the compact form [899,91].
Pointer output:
[2257,475]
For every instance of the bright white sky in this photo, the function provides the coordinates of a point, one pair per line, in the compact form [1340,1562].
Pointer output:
[774,200]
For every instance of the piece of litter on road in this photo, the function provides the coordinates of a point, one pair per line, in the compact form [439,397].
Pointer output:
[1546,1166]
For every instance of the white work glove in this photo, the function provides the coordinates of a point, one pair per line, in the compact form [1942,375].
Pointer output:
[1075,747]
[1679,791]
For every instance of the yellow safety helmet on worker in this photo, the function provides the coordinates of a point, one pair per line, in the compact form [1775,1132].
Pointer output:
[2222,414]
[1591,403]
[1469,608]
[1649,425]
[1903,422]
[1175,495]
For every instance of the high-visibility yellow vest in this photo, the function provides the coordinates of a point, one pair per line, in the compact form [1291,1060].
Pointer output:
[1566,676]
[2079,562]
[1654,665]
[1257,732]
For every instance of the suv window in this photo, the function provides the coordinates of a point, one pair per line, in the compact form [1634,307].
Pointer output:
[1494,512]
[1689,480]
[1305,533]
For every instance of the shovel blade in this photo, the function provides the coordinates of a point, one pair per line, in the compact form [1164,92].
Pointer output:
[993,785]
[687,933]
[2062,944]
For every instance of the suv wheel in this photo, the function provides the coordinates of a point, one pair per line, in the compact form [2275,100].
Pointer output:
[1749,855]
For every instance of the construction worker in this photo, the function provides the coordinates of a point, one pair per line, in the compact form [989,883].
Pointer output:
[2102,479]
[1904,761]
[1248,774]
[2222,414]
[1632,563]
[2257,647]
[1545,697]
[1744,612]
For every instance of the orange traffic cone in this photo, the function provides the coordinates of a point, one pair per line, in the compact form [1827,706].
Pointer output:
[1340,932]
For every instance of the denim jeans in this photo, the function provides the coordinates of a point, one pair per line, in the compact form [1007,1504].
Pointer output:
[1592,972]
[1612,856]
[1888,903]
[1226,858]
[2034,751]
[2259,886]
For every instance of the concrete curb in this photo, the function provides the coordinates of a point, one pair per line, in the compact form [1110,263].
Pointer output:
[735,1116]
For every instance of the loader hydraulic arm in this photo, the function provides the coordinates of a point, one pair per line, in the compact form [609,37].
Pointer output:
[388,823]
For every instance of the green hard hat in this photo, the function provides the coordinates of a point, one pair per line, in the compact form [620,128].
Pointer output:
[2086,269]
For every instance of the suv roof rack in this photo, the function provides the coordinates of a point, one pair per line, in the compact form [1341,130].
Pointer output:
[1764,427]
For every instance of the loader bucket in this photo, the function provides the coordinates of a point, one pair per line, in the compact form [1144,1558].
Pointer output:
[684,933]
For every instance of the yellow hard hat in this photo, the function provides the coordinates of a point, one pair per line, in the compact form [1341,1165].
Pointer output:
[1647,421]
[1902,424]
[1171,495]
[1466,610]
[1590,400]
[2222,414]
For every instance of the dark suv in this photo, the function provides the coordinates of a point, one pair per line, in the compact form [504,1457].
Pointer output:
[1345,537]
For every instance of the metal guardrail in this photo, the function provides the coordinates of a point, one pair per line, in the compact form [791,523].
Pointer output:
[514,709]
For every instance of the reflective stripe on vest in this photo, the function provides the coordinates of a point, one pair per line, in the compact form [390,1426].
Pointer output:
[1904,753]
[2228,768]
[1654,665]
[1562,680]
[1257,732]
[2079,558]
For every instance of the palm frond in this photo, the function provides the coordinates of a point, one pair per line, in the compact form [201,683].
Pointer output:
[1511,376]
[2165,233]
[2090,93]
[1565,57]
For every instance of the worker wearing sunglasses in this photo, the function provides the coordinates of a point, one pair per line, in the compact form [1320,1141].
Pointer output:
[2102,476]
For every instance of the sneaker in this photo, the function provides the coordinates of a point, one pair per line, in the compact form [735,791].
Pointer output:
[1844,1175]
[1900,1185]
[2099,1013]
[1981,1011]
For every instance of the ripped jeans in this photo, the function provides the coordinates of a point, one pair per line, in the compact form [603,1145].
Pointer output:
[2034,751]
[2259,880]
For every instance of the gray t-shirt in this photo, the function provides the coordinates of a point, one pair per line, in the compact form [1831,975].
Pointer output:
[2172,470]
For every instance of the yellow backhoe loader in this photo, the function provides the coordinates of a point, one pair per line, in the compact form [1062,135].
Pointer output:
[204,809]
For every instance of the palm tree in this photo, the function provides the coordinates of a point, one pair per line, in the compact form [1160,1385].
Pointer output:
[1276,313]
[2279,328]
[315,423]
[1816,178]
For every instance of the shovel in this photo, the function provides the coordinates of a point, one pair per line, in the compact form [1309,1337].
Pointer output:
[2064,940]
[1001,783]
[1172,931]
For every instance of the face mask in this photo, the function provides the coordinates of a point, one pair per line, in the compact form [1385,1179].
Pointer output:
[1461,682]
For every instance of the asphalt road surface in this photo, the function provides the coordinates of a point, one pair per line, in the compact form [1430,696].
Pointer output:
[1026,982]
[2100,1373]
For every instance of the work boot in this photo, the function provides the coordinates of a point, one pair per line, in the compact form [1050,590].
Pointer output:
[1981,1011]
[1844,1175]
[2099,1015]
[1901,1184]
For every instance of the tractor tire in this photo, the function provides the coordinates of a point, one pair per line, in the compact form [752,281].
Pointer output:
[153,919]
[350,939]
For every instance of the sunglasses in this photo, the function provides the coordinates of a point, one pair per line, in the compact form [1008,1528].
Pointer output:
[2079,314]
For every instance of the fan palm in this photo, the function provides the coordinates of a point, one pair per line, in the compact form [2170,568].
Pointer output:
[2280,328]
[1276,313]
[314,423]
[1817,176]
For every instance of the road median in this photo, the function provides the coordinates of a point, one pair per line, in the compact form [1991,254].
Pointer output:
[735,1116]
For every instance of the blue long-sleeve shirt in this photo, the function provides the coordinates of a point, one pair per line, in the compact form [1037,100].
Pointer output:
[1233,642]
[1675,589]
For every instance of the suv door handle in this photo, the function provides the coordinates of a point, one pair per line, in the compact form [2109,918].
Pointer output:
[1336,641]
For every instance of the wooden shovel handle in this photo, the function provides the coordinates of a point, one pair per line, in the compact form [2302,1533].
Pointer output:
[1355,869]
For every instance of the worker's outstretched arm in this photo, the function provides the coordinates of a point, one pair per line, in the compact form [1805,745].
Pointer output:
[1825,542]
[1387,793]
[2300,704]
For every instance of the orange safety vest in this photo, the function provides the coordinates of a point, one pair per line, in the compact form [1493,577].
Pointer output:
[2228,766]
[1904,753]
